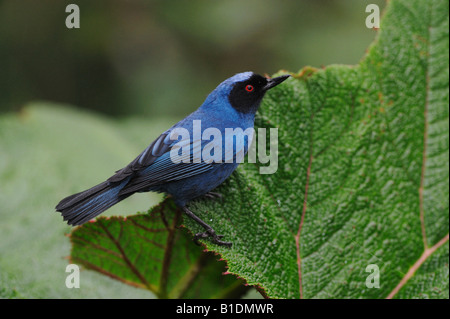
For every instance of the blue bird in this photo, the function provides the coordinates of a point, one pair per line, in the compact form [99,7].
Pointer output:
[161,168]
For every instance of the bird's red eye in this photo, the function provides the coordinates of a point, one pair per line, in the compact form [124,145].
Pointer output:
[249,88]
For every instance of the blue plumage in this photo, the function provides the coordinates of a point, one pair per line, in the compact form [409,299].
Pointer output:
[166,166]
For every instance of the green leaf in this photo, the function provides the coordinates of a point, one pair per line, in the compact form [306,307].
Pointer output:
[148,251]
[431,280]
[362,175]
[48,151]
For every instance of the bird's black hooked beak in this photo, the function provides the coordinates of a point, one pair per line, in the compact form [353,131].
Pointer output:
[275,81]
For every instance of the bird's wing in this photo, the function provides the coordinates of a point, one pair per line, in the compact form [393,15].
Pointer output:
[156,165]
[159,147]
[162,169]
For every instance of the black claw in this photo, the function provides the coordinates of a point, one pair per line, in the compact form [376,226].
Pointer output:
[215,238]
[198,236]
[214,195]
[209,231]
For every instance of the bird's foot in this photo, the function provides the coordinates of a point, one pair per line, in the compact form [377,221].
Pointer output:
[215,238]
[213,195]
[209,231]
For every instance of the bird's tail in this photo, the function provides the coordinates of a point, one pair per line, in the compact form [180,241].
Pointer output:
[81,207]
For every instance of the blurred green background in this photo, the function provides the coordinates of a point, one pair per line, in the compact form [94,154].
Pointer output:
[78,104]
[156,58]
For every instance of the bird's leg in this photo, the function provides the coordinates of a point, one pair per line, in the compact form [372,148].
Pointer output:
[213,195]
[209,231]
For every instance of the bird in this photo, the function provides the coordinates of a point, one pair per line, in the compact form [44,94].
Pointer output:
[160,167]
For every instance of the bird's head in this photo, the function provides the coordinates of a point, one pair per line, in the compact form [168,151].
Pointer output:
[244,91]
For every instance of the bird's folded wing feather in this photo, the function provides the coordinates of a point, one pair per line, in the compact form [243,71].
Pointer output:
[156,165]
